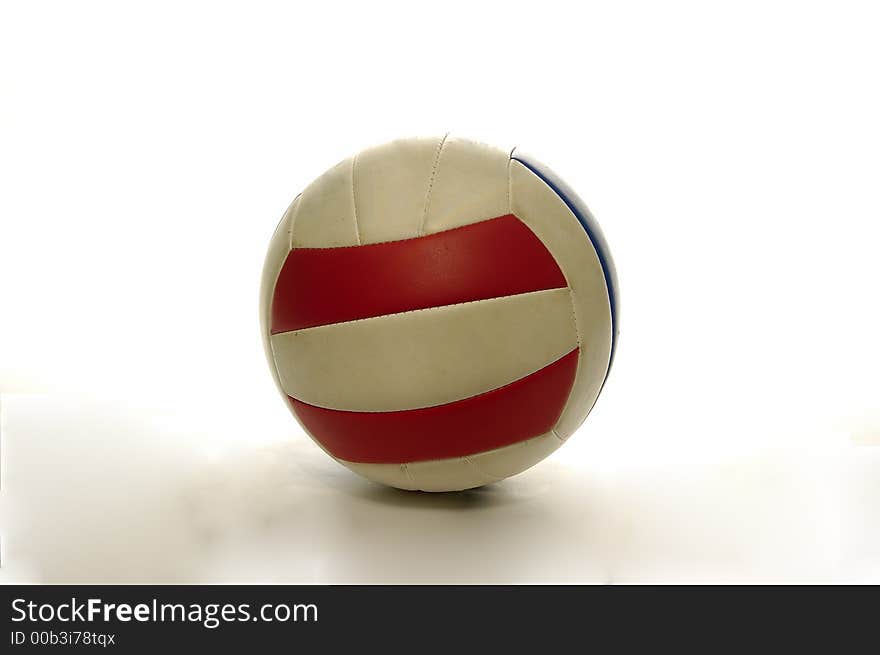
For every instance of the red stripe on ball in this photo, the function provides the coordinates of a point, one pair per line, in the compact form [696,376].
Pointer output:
[489,259]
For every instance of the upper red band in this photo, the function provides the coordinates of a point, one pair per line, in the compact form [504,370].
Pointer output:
[489,259]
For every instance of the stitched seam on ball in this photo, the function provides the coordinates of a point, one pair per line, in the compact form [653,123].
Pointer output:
[293,210]
[493,451]
[577,370]
[357,231]
[294,206]
[577,330]
[473,464]
[431,184]
[510,182]
[379,243]
[408,474]
[427,309]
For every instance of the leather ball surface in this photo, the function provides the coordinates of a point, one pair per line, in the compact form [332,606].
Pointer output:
[438,313]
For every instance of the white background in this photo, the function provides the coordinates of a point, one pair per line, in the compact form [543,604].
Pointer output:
[729,150]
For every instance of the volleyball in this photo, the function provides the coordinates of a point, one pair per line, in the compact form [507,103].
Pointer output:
[439,314]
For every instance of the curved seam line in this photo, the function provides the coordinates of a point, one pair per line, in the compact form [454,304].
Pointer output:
[577,330]
[422,236]
[293,210]
[416,409]
[436,165]
[577,370]
[493,451]
[357,231]
[510,183]
[424,309]
[473,465]
[556,434]
[408,475]
[289,233]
